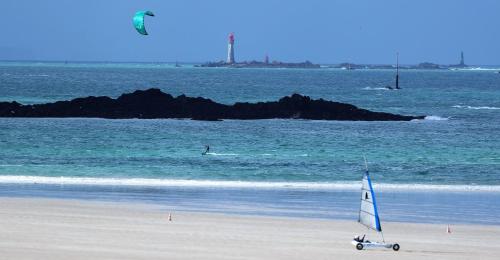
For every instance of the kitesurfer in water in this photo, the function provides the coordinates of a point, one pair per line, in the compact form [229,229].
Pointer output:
[207,149]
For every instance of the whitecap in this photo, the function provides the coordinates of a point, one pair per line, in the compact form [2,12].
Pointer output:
[431,118]
[477,107]
[37,75]
[436,118]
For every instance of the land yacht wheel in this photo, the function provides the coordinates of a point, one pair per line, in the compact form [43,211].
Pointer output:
[359,246]
[395,247]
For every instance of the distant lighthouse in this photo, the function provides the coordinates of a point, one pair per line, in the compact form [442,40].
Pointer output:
[230,49]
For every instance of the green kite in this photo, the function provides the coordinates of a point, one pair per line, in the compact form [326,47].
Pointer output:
[139,21]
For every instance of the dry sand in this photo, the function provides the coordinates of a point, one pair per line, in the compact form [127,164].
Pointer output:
[72,229]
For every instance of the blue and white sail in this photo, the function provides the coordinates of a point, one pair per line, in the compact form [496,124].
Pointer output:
[368,213]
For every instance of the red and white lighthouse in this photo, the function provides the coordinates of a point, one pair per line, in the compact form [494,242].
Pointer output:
[230,49]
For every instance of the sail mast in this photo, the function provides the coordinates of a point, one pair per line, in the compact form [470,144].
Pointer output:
[397,70]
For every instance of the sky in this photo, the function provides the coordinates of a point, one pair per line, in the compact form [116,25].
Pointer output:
[322,31]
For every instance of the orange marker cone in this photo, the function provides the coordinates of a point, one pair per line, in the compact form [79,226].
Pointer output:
[448,230]
[169,217]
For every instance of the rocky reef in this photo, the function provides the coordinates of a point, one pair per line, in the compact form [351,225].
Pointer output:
[153,103]
[258,64]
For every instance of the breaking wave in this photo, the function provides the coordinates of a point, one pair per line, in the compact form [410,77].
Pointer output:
[432,118]
[312,186]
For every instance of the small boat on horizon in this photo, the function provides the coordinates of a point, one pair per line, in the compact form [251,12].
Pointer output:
[348,66]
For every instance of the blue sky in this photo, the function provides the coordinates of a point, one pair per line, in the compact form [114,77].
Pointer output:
[323,31]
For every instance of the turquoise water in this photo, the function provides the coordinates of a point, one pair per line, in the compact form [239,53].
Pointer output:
[283,167]
[461,147]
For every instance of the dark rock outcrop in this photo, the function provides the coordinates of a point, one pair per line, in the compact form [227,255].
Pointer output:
[153,103]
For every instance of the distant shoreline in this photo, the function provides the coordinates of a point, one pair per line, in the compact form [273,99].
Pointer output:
[378,66]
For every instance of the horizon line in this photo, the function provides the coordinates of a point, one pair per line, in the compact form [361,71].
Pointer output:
[197,62]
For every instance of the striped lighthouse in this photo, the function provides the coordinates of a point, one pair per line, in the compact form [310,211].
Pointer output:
[230,49]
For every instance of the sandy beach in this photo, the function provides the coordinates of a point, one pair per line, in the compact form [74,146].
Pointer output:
[35,228]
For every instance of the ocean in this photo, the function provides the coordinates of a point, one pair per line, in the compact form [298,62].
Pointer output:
[444,169]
